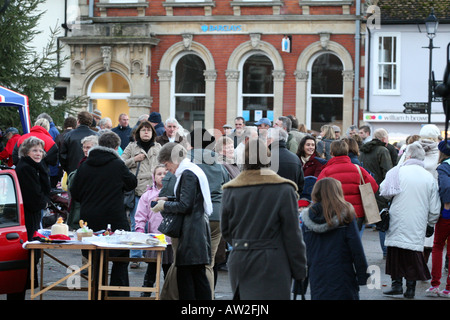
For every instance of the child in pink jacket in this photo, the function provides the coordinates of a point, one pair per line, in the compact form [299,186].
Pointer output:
[148,221]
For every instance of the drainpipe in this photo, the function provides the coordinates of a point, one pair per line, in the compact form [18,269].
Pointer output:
[356,99]
[91,8]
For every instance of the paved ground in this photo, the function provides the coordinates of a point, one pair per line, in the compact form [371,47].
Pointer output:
[223,292]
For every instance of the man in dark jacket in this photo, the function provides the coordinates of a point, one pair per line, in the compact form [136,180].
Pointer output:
[283,161]
[123,130]
[171,134]
[101,195]
[71,151]
[375,157]
[155,120]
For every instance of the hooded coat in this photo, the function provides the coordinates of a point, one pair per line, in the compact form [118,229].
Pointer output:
[99,186]
[337,264]
[260,221]
[416,206]
[375,158]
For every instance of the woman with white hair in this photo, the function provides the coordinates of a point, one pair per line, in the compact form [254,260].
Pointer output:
[415,208]
[34,182]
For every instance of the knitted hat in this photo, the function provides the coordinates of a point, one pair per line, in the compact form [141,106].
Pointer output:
[444,147]
[97,113]
[430,131]
[154,117]
[11,129]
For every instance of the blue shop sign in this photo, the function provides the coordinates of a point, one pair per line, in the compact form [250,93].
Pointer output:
[221,27]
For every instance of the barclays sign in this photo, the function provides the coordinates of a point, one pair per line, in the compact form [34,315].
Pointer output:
[221,28]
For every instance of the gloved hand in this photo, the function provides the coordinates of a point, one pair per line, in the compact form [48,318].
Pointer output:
[430,231]
[159,206]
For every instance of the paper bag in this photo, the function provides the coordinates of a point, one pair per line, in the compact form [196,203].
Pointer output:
[368,200]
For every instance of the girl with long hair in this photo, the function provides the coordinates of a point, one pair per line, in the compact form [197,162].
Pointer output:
[336,261]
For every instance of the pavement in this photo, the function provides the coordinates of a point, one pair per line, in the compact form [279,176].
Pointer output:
[373,291]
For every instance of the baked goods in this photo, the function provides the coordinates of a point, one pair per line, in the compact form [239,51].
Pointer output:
[84,231]
[60,228]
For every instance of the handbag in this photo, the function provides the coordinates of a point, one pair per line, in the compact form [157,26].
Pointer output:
[383,225]
[171,224]
[129,196]
[368,200]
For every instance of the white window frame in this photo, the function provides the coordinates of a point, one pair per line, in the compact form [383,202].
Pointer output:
[173,94]
[241,95]
[397,63]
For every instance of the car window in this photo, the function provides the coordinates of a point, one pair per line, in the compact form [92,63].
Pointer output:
[9,214]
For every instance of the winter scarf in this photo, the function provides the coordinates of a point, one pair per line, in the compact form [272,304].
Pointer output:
[392,180]
[186,164]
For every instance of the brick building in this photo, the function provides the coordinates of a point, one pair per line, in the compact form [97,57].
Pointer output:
[212,60]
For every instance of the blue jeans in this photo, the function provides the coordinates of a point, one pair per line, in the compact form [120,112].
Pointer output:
[134,253]
[382,236]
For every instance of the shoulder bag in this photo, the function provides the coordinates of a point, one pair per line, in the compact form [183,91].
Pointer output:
[383,225]
[171,224]
[368,200]
[129,196]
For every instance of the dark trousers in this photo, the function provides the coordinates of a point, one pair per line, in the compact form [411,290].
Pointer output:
[193,283]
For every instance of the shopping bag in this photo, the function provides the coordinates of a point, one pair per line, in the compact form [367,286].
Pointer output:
[368,200]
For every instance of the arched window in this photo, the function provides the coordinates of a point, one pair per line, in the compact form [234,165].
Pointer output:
[189,91]
[108,93]
[326,91]
[257,88]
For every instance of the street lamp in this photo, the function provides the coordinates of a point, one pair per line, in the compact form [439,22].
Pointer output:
[431,23]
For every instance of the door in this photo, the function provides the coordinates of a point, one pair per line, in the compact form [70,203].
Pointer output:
[13,258]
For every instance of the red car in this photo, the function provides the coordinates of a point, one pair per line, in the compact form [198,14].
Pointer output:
[14,262]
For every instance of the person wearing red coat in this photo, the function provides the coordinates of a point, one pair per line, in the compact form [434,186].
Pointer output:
[341,168]
[51,149]
[12,135]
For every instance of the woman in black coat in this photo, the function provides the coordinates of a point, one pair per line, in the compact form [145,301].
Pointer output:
[34,182]
[99,186]
[193,201]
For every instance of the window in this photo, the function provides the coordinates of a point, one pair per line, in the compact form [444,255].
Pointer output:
[326,91]
[189,91]
[387,64]
[257,88]
[9,213]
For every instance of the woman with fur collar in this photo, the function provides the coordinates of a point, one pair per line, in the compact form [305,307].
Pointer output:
[336,261]
[260,221]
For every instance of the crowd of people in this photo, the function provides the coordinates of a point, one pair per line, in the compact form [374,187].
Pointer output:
[273,200]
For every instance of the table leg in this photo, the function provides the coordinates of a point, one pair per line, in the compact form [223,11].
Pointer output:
[100,275]
[158,274]
[41,283]
[89,275]
[32,267]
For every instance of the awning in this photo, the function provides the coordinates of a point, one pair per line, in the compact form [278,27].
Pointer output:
[10,98]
